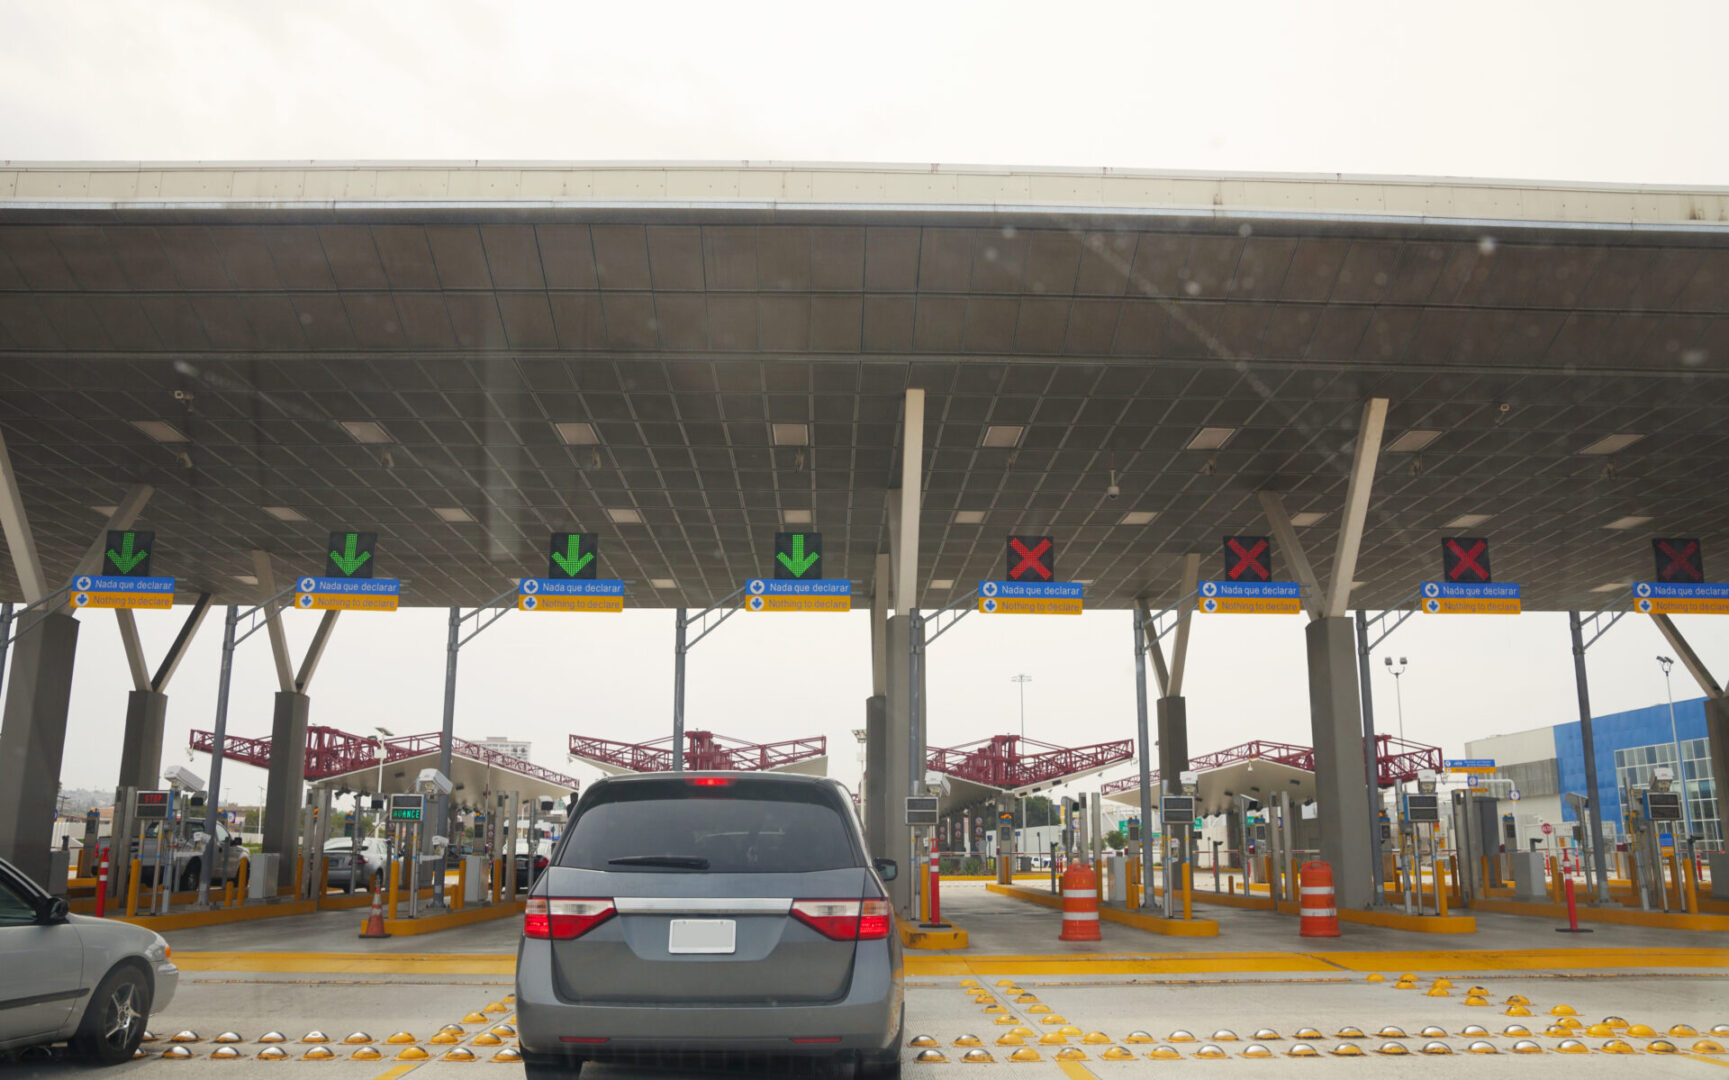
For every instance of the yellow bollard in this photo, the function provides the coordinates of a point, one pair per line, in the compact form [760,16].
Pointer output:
[1188,887]
[1692,894]
[132,889]
[244,876]
[1675,866]
[461,885]
[395,886]
[497,879]
[1134,885]
[925,889]
[299,876]
[1441,887]
[323,882]
[1485,862]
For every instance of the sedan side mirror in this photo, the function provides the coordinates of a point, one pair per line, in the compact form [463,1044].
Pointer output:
[887,868]
[54,910]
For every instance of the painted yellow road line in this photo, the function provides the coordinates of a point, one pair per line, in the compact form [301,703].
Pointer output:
[350,963]
[1707,1060]
[1076,1070]
[398,1070]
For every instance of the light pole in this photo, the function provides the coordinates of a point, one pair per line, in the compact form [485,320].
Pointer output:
[1680,762]
[1021,682]
[1398,696]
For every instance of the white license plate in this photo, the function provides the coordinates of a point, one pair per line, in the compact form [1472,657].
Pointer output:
[702,936]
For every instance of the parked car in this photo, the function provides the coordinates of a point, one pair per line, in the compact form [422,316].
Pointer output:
[710,914]
[365,868]
[185,854]
[72,978]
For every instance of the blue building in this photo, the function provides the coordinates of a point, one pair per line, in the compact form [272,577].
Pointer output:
[1546,763]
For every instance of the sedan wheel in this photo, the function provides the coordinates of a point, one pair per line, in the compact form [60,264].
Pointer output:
[114,1020]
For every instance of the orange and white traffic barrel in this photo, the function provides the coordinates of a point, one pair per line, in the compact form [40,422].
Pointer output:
[1317,907]
[1080,904]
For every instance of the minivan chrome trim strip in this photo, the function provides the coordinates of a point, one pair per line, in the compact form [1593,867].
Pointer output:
[709,905]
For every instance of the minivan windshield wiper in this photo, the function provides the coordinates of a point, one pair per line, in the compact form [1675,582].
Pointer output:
[679,862]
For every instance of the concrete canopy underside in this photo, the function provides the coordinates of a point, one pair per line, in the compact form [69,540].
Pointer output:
[1261,780]
[474,776]
[682,313]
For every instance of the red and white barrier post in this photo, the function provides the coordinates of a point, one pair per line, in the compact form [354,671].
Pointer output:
[102,885]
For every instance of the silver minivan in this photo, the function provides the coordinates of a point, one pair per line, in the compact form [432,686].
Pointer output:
[695,915]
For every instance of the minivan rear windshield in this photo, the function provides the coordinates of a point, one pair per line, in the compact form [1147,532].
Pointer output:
[742,826]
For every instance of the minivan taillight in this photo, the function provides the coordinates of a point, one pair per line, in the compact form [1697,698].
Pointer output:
[561,920]
[845,920]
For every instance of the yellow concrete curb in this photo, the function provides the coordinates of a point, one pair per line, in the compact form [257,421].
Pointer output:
[431,924]
[1618,915]
[918,937]
[187,920]
[1150,923]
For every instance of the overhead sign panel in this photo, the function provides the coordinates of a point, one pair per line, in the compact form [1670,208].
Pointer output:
[1470,765]
[798,555]
[407,807]
[348,583]
[574,556]
[1249,598]
[1664,598]
[1031,597]
[1465,560]
[128,553]
[1031,558]
[921,809]
[817,594]
[570,594]
[1248,558]
[1679,560]
[106,591]
[1447,598]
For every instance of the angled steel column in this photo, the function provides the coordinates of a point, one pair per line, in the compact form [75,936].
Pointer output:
[1599,861]
[679,649]
[218,744]
[1146,768]
[442,815]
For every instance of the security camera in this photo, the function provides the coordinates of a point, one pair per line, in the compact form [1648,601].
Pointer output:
[433,782]
[1113,491]
[182,777]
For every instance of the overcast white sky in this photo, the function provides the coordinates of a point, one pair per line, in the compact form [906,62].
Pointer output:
[1568,91]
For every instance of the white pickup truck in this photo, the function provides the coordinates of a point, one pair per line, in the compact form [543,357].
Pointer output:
[186,854]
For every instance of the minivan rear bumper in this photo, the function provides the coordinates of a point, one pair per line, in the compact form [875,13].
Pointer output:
[866,1019]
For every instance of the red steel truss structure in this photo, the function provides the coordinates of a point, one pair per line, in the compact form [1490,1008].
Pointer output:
[1399,760]
[704,750]
[333,752]
[1002,761]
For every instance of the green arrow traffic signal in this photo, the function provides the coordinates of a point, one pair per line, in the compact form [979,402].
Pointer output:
[569,560]
[133,558]
[796,553]
[351,554]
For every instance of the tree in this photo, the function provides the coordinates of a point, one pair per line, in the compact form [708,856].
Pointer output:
[1038,812]
[1116,839]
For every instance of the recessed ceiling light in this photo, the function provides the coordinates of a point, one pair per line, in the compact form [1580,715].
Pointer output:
[1211,438]
[1609,444]
[795,517]
[1632,521]
[105,511]
[791,434]
[1137,517]
[284,513]
[663,583]
[624,516]
[1084,581]
[365,431]
[943,583]
[246,579]
[1467,521]
[160,431]
[1412,441]
[1307,518]
[969,517]
[1003,435]
[453,513]
[576,434]
[1613,586]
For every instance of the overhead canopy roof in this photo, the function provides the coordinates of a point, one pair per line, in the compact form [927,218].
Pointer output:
[1090,321]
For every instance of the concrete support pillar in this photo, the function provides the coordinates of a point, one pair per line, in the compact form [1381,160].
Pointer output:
[1717,735]
[287,782]
[876,793]
[1173,714]
[33,739]
[895,839]
[141,749]
[1335,717]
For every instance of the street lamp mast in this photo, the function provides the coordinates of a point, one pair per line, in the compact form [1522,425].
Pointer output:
[1680,762]
[1021,682]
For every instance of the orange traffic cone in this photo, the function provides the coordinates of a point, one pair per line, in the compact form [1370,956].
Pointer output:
[375,922]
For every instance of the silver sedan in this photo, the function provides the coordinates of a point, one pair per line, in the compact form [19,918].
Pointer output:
[71,978]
